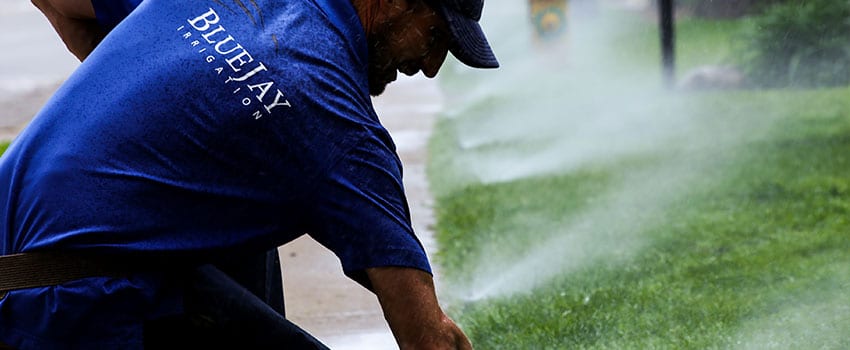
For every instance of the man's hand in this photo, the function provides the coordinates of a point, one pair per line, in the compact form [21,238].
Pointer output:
[74,21]
[411,308]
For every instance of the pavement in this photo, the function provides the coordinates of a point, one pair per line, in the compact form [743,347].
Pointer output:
[35,63]
[17,109]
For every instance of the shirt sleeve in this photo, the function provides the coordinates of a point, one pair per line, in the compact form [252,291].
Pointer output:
[363,216]
[111,12]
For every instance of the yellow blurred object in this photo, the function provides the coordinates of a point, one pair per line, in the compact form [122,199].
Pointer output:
[549,18]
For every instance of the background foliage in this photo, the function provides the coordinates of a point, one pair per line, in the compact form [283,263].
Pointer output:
[799,44]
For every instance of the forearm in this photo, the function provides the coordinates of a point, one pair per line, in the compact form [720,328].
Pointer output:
[411,308]
[74,21]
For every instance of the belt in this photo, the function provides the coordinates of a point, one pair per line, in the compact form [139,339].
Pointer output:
[42,269]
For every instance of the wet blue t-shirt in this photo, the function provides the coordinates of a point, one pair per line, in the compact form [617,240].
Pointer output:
[203,127]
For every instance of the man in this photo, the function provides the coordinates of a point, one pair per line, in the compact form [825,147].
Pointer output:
[200,131]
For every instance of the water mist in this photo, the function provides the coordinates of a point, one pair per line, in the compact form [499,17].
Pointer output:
[578,105]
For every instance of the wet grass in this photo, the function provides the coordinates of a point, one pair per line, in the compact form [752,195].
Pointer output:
[767,234]
[747,249]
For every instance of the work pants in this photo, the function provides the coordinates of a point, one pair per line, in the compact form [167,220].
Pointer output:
[221,313]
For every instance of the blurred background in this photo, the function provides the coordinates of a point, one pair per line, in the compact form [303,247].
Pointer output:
[34,63]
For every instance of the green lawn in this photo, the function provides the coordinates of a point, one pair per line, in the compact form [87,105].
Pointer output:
[583,209]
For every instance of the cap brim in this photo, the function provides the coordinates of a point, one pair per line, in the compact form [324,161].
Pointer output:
[469,46]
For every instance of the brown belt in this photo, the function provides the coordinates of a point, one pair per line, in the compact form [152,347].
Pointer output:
[41,269]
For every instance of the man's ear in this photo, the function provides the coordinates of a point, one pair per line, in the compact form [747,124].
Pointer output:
[380,13]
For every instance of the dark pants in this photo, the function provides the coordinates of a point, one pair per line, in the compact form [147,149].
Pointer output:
[223,313]
[260,274]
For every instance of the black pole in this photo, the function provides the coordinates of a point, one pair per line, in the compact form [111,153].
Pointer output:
[665,8]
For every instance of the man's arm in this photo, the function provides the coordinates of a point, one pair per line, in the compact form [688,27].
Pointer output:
[411,308]
[74,21]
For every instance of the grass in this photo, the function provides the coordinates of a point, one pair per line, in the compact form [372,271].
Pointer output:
[733,235]
[3,146]
[760,239]
[708,42]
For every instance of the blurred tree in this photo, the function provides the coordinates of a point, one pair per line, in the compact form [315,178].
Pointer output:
[728,8]
[799,44]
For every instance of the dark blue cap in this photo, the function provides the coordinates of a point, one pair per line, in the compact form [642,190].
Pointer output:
[469,46]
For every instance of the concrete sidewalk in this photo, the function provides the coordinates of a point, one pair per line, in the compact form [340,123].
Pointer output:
[30,75]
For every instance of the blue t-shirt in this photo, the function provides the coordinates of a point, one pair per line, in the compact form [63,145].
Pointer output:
[202,128]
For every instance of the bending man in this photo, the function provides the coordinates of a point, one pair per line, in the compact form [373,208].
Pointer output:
[200,131]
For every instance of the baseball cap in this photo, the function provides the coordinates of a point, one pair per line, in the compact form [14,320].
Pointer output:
[470,46]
